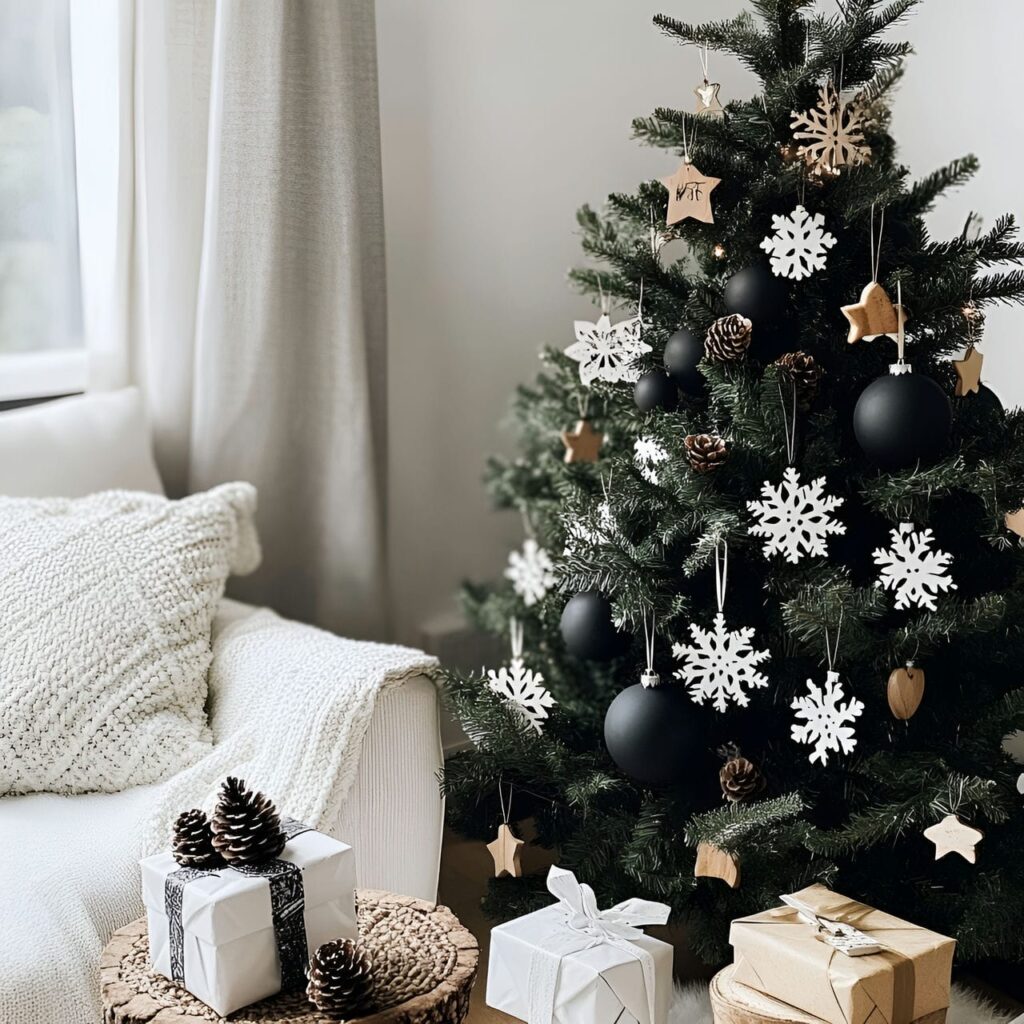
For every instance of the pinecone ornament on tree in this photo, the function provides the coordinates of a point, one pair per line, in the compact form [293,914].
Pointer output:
[193,841]
[741,780]
[800,370]
[728,339]
[246,825]
[705,452]
[340,979]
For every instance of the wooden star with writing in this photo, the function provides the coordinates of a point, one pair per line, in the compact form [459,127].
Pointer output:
[874,315]
[951,835]
[689,194]
[582,444]
[505,851]
[968,371]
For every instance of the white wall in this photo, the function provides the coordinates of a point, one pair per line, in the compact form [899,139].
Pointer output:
[498,120]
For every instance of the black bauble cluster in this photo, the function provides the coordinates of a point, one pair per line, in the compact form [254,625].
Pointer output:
[588,629]
[756,293]
[902,419]
[653,734]
[683,353]
[655,390]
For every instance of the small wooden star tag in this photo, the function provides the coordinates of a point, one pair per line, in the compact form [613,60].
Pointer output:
[506,851]
[689,194]
[951,835]
[582,444]
[874,315]
[713,862]
[707,99]
[1014,522]
[968,371]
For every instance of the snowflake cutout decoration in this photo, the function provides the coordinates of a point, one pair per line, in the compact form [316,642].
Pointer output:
[647,454]
[607,351]
[525,689]
[799,246]
[827,720]
[531,572]
[720,663]
[832,132]
[912,569]
[795,519]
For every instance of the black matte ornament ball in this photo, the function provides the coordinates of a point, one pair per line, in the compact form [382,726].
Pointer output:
[756,293]
[588,629]
[652,733]
[902,419]
[683,353]
[655,390]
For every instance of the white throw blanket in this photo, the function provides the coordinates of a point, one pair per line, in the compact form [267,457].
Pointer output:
[290,705]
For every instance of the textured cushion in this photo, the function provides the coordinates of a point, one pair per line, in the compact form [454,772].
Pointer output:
[77,446]
[106,606]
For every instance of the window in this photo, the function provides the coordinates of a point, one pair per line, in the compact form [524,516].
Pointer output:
[41,338]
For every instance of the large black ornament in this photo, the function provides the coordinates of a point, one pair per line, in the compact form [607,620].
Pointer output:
[902,419]
[588,630]
[653,734]
[683,353]
[756,293]
[655,390]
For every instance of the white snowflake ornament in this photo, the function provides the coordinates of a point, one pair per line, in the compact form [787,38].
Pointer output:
[912,569]
[795,519]
[828,721]
[525,689]
[531,572]
[799,246]
[607,351]
[647,455]
[720,664]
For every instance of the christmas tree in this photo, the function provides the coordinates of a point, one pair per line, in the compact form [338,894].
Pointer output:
[803,538]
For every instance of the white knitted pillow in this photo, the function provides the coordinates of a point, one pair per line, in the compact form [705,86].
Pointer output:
[106,605]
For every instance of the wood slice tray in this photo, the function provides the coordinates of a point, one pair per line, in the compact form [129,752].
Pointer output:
[425,963]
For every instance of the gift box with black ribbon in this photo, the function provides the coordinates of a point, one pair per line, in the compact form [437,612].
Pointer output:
[843,961]
[234,935]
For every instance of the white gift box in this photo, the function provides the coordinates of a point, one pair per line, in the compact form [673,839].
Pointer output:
[573,964]
[228,929]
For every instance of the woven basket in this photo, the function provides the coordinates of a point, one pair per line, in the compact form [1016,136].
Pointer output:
[425,963]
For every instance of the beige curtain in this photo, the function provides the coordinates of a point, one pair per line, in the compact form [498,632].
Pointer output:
[248,295]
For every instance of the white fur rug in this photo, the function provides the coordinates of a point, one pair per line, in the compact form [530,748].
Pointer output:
[691,1005]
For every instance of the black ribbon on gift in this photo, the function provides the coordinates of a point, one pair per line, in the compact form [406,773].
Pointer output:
[287,904]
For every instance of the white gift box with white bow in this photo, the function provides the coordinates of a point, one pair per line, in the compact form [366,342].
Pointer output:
[571,963]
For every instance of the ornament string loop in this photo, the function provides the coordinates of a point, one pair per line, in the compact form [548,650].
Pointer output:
[832,650]
[605,298]
[702,53]
[876,250]
[515,632]
[689,139]
[721,571]
[788,422]
[900,338]
[649,640]
[506,806]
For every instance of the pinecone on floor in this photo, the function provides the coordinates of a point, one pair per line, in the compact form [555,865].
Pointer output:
[246,825]
[728,339]
[705,452]
[801,371]
[340,979]
[741,780]
[193,841]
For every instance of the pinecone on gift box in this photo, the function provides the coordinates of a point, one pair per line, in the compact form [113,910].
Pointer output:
[705,452]
[193,841]
[799,370]
[340,979]
[246,825]
[728,339]
[741,780]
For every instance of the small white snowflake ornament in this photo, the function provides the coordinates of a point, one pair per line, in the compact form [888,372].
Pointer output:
[912,569]
[531,571]
[720,664]
[800,244]
[525,689]
[607,351]
[648,455]
[828,720]
[795,519]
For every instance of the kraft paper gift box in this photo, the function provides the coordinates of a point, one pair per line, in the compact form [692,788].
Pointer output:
[571,963]
[232,936]
[781,955]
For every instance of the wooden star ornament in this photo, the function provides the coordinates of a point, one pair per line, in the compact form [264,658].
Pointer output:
[1014,521]
[689,194]
[714,862]
[951,835]
[874,315]
[968,371]
[505,850]
[707,99]
[582,444]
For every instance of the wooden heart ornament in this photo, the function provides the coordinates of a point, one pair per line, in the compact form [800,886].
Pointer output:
[905,691]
